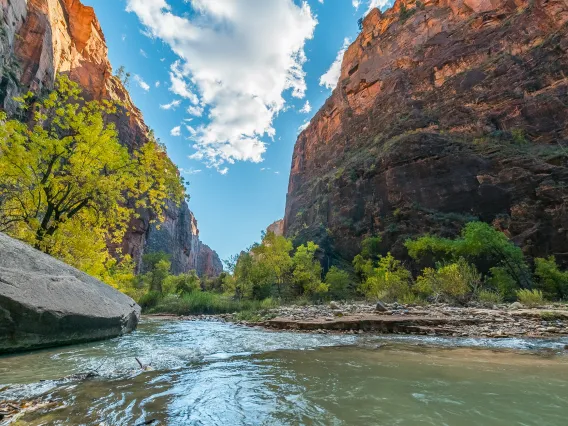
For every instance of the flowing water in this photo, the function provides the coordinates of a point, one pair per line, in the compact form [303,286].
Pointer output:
[212,373]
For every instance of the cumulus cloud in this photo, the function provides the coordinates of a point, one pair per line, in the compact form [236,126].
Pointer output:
[179,85]
[196,110]
[371,4]
[331,77]
[307,108]
[191,130]
[143,85]
[238,57]
[172,105]
[157,84]
[176,131]
[303,126]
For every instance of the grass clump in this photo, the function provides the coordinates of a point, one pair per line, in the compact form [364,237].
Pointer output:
[205,303]
[530,298]
[489,298]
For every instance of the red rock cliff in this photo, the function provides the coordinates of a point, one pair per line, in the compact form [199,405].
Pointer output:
[41,38]
[445,111]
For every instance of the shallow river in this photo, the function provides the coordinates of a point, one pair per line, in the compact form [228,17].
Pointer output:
[212,373]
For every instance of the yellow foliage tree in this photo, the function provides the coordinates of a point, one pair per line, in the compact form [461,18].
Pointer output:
[67,185]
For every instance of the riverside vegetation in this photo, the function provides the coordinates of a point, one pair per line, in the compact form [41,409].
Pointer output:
[481,266]
[68,187]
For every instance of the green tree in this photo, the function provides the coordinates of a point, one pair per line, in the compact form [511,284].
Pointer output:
[364,262]
[389,280]
[307,270]
[338,282]
[478,242]
[452,281]
[274,253]
[157,267]
[182,283]
[68,187]
[552,281]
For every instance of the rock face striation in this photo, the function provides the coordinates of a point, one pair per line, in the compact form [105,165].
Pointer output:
[44,302]
[445,112]
[41,38]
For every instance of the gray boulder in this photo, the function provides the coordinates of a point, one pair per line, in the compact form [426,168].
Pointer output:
[44,302]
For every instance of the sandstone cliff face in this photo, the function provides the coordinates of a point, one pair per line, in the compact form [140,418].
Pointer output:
[445,111]
[41,38]
[277,228]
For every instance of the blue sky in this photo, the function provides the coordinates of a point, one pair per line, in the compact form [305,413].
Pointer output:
[225,84]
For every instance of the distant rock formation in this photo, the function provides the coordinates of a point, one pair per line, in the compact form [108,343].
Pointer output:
[44,302]
[445,111]
[277,228]
[42,38]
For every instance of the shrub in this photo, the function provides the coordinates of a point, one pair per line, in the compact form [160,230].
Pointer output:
[411,299]
[505,284]
[552,281]
[489,298]
[530,298]
[149,300]
[338,283]
[479,242]
[183,283]
[390,279]
[451,282]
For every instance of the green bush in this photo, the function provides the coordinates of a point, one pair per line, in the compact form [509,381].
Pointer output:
[479,243]
[149,300]
[505,284]
[338,283]
[489,298]
[389,280]
[204,303]
[450,282]
[183,283]
[530,298]
[552,281]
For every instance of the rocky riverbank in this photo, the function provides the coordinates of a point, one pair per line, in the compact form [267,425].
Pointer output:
[500,321]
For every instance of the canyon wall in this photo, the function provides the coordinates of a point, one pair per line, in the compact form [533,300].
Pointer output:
[42,38]
[446,111]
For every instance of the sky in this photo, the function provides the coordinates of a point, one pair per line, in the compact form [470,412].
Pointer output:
[227,85]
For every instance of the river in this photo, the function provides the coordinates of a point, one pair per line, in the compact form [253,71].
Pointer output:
[214,373]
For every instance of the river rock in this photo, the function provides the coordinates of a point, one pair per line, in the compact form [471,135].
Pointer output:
[380,307]
[44,302]
[515,306]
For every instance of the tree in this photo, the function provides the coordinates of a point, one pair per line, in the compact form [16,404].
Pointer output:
[307,270]
[157,267]
[68,187]
[452,281]
[338,282]
[390,280]
[274,253]
[365,261]
[478,242]
[552,281]
[120,72]
[182,283]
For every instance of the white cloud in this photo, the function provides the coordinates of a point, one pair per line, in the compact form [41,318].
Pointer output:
[195,110]
[224,171]
[307,108]
[179,85]
[176,131]
[330,78]
[321,1]
[172,105]
[238,57]
[191,130]
[303,126]
[143,85]
[381,4]
[143,53]
[191,171]
[157,84]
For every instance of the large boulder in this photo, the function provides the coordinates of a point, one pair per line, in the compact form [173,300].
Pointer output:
[44,302]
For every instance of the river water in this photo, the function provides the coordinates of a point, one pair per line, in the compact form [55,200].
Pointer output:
[213,373]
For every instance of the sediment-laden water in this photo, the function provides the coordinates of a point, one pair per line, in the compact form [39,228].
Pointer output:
[213,373]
